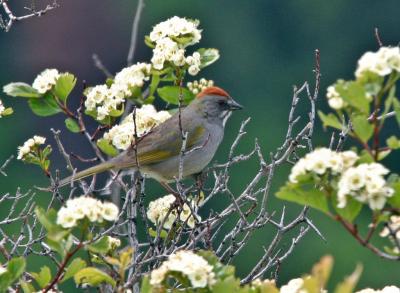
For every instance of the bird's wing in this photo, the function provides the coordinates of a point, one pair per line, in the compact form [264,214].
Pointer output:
[162,143]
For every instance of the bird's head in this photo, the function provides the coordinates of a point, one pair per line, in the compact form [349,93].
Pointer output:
[216,104]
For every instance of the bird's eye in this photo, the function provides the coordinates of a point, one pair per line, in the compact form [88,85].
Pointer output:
[222,103]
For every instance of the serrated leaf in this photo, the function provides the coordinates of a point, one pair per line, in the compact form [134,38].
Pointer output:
[64,85]
[21,89]
[350,211]
[75,266]
[354,94]
[208,56]
[7,112]
[393,142]
[101,246]
[45,106]
[394,200]
[43,277]
[304,194]
[106,147]
[93,277]
[27,287]
[171,94]
[16,267]
[396,107]
[362,128]
[153,233]
[72,125]
[350,282]
[330,120]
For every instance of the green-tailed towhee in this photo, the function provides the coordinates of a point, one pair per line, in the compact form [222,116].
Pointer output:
[158,154]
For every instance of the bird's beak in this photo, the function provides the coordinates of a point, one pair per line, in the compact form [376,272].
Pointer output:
[233,105]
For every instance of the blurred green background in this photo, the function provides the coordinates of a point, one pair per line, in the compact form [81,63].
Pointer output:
[266,47]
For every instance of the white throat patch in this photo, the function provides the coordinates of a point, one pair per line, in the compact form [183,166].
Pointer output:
[225,116]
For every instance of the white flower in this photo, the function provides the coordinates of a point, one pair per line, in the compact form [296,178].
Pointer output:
[394,225]
[387,289]
[334,100]
[175,27]
[2,108]
[80,207]
[366,184]
[160,208]
[147,117]
[382,62]
[322,160]
[109,211]
[197,86]
[66,218]
[132,76]
[113,242]
[45,80]
[28,146]
[194,267]
[294,286]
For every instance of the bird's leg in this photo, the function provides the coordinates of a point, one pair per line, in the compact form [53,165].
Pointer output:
[175,193]
[199,177]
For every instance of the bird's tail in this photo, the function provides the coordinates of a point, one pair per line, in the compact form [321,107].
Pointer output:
[88,172]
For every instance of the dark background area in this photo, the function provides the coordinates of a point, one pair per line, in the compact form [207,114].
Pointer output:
[266,47]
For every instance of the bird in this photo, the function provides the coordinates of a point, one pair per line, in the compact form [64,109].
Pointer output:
[158,154]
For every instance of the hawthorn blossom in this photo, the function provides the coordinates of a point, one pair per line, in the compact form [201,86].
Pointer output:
[198,86]
[46,80]
[29,146]
[194,267]
[383,62]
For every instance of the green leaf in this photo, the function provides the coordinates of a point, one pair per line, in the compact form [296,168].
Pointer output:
[362,127]
[7,112]
[354,94]
[148,42]
[27,287]
[350,282]
[146,287]
[16,267]
[394,200]
[304,194]
[208,56]
[393,142]
[101,246]
[106,147]
[43,277]
[21,89]
[350,211]
[396,107]
[72,125]
[230,284]
[47,219]
[170,94]
[93,277]
[153,233]
[155,80]
[75,266]
[57,246]
[45,106]
[64,85]
[330,120]
[5,281]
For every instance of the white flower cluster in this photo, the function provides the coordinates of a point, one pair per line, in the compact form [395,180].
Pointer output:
[387,289]
[147,117]
[158,210]
[2,108]
[335,101]
[366,184]
[28,146]
[46,80]
[393,227]
[295,286]
[321,161]
[194,267]
[198,86]
[382,62]
[113,242]
[171,37]
[86,207]
[106,100]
